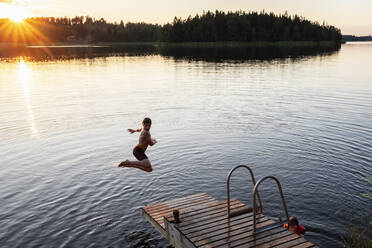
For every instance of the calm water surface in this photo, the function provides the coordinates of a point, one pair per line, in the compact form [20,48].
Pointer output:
[307,121]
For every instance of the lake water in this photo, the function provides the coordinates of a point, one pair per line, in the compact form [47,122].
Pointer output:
[306,119]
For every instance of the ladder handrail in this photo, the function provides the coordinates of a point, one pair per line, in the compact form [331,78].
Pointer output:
[228,186]
[255,191]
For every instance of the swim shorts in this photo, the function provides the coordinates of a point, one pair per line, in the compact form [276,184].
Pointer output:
[139,153]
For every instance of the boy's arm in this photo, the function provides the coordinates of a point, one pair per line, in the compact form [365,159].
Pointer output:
[151,141]
[134,130]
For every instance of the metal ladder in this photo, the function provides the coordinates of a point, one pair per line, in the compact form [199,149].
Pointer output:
[255,192]
[256,208]
[246,209]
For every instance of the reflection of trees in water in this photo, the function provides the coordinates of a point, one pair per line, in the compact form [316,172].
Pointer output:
[243,54]
[66,53]
[210,54]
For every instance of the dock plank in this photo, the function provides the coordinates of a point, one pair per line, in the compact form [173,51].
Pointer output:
[205,222]
[225,241]
[189,205]
[292,243]
[226,234]
[200,210]
[177,201]
[270,240]
[227,225]
[183,212]
[245,238]
[304,245]
[164,209]
[205,214]
[216,222]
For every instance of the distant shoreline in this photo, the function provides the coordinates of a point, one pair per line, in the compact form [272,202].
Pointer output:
[218,44]
[258,44]
[72,44]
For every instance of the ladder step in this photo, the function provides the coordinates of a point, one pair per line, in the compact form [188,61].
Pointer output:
[269,227]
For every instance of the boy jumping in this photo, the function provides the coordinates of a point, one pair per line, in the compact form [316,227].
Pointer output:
[145,139]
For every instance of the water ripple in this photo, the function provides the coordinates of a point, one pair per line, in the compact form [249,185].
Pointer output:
[301,121]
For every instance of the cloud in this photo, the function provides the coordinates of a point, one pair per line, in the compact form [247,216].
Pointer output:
[6,1]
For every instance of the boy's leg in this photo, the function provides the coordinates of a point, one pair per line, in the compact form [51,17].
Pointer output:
[144,164]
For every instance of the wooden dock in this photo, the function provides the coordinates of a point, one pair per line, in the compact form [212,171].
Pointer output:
[204,223]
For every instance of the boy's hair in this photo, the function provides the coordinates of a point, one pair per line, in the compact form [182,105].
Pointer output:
[293,221]
[146,120]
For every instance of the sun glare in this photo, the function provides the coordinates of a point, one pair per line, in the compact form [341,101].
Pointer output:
[17,19]
[17,13]
[24,76]
[17,29]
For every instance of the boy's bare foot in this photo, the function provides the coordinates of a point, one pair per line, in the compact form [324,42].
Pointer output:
[123,164]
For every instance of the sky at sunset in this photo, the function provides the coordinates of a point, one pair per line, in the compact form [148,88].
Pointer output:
[352,17]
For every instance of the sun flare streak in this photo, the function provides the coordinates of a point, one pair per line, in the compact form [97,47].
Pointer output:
[24,75]
[15,12]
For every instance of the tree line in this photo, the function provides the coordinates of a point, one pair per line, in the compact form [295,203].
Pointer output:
[251,26]
[208,27]
[80,28]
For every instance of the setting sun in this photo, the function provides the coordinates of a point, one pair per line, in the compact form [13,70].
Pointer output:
[17,18]
[17,13]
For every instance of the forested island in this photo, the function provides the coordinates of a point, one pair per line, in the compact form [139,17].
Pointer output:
[215,26]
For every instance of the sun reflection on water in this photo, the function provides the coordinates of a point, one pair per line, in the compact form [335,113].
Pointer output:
[24,76]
